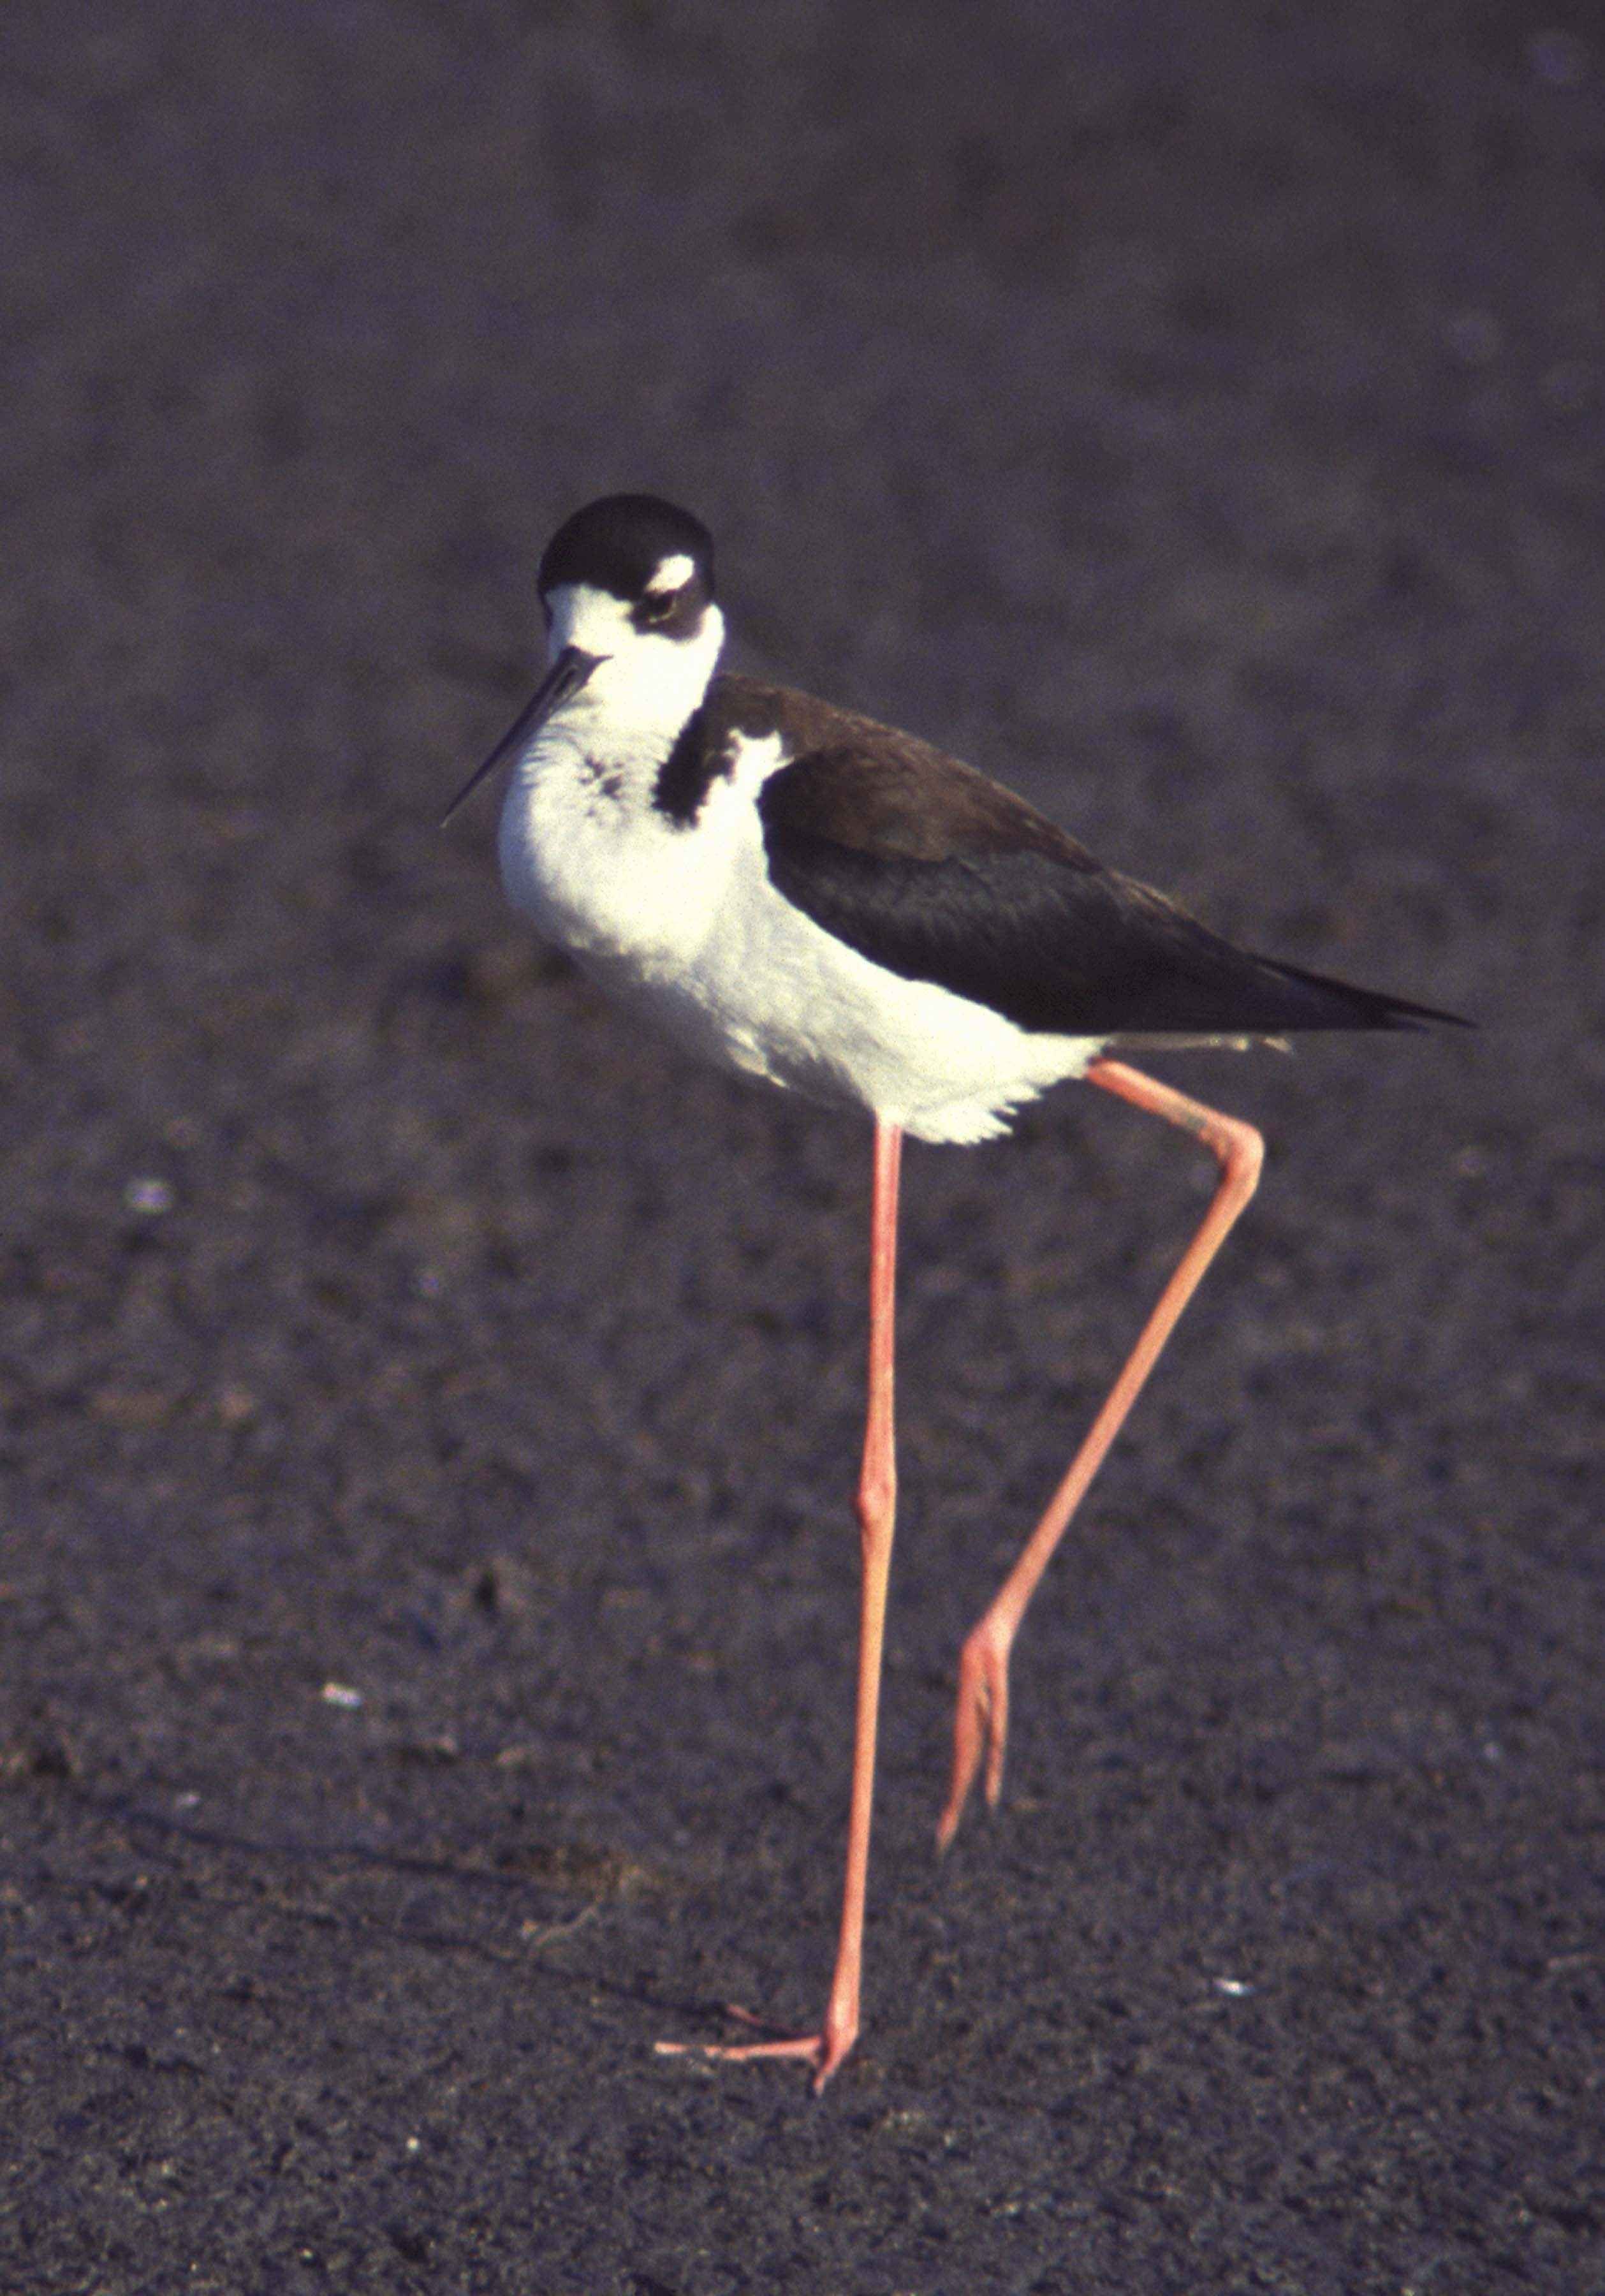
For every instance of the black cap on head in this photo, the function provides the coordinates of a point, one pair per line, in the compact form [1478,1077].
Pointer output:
[618,543]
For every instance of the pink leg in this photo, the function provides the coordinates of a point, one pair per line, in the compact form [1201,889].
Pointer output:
[982,1719]
[877,1510]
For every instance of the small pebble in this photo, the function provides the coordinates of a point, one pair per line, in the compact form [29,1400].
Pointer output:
[148,1196]
[1559,58]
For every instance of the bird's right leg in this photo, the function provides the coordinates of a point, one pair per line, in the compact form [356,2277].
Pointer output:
[981,1723]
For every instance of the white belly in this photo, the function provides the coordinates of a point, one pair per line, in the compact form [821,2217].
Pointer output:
[685,925]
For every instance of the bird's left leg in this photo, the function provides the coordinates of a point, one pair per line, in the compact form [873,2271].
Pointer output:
[981,1723]
[877,1512]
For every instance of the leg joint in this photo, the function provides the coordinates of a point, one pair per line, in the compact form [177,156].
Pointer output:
[877,1501]
[1241,1150]
[1239,1147]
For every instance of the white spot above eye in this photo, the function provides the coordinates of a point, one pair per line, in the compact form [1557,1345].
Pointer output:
[671,574]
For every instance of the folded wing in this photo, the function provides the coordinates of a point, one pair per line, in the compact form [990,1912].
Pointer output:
[928,868]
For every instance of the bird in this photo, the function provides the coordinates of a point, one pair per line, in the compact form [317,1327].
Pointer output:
[840,908]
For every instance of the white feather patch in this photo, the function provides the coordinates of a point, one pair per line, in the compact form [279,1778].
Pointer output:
[672,574]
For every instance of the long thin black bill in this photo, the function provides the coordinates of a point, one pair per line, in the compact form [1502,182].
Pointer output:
[566,675]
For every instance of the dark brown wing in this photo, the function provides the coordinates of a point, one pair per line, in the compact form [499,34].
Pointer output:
[928,868]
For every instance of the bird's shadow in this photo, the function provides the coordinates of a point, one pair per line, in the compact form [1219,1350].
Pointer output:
[608,1886]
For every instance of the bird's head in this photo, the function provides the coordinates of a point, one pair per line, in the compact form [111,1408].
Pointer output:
[632,632]
[630,581]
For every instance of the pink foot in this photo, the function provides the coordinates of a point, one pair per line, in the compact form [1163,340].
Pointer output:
[980,1724]
[817,2049]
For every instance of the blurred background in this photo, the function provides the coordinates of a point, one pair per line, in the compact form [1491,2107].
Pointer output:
[426,1577]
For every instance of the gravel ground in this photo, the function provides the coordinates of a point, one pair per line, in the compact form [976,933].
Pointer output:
[427,1581]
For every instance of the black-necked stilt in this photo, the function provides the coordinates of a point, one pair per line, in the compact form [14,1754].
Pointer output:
[815,899]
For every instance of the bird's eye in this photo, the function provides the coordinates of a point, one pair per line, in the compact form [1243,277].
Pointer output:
[658,605]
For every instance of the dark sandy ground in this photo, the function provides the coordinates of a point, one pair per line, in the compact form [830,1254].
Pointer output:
[430,1404]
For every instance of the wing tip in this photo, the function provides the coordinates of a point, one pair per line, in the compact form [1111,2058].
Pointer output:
[1401,1016]
[1352,1008]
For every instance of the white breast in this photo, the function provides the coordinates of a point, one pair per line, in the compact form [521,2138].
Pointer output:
[685,922]
[586,854]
